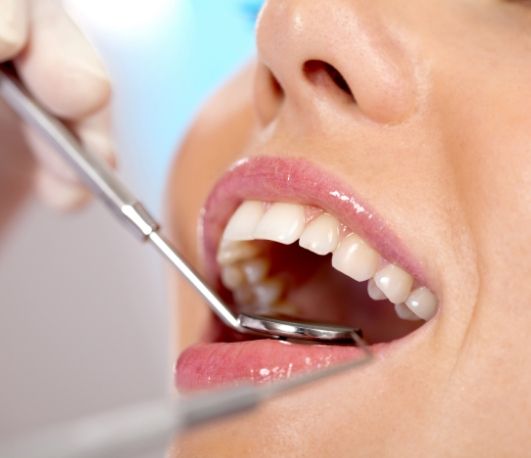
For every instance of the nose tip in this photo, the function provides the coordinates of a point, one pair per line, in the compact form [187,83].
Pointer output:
[347,55]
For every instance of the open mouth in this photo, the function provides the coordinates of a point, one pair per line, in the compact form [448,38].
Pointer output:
[283,239]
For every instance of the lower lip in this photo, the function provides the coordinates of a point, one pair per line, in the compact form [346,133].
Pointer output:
[211,365]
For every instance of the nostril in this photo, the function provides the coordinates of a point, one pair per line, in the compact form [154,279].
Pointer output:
[323,74]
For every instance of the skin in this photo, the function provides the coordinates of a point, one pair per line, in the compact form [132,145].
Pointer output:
[438,141]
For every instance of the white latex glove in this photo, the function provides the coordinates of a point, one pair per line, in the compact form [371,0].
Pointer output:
[64,73]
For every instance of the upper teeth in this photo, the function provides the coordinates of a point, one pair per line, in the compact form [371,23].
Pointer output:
[286,223]
[355,258]
[321,235]
[375,293]
[281,223]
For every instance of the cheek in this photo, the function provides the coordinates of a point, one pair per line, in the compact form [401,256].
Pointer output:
[212,145]
[492,166]
[486,125]
[502,218]
[209,149]
[190,310]
[199,163]
[190,182]
[495,171]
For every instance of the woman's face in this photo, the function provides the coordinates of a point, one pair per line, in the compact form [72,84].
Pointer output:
[409,123]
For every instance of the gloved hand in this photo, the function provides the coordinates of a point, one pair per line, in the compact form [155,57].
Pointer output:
[64,73]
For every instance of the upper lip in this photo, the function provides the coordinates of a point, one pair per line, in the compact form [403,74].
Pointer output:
[274,179]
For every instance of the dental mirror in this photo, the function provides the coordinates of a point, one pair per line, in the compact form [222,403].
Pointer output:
[297,330]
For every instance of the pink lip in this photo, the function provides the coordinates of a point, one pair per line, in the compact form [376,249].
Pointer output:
[204,366]
[278,179]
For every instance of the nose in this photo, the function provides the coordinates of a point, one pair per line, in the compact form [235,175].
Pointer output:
[342,55]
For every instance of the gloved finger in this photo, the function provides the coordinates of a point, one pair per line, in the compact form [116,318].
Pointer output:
[59,194]
[48,158]
[59,65]
[94,135]
[13,27]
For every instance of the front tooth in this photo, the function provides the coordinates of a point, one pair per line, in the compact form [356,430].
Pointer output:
[231,252]
[374,292]
[394,282]
[243,222]
[321,235]
[267,292]
[422,302]
[404,313]
[255,270]
[355,258]
[282,223]
[232,277]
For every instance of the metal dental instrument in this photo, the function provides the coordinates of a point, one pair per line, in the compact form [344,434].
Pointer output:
[104,183]
[142,428]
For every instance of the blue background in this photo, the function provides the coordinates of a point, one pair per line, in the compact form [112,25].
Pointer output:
[163,76]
